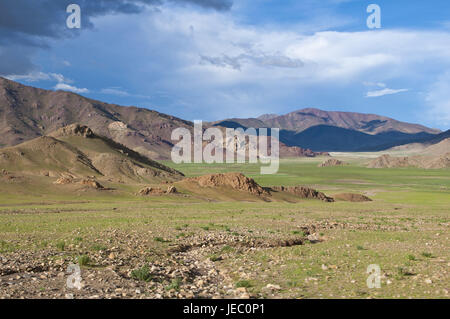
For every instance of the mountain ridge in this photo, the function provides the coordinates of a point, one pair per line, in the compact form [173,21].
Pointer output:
[320,130]
[305,118]
[76,151]
[27,112]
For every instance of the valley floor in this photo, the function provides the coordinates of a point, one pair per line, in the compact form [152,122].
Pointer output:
[131,246]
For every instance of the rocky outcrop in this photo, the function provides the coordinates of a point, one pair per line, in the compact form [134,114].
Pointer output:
[236,181]
[350,197]
[149,191]
[74,130]
[303,192]
[91,183]
[331,162]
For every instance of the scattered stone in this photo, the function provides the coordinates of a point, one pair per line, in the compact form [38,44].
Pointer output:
[273,287]
[92,183]
[171,190]
[63,181]
[155,191]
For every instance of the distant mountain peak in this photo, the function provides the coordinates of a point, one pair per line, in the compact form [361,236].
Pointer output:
[305,118]
[267,117]
[320,130]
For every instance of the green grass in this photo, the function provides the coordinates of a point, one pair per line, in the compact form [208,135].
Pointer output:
[61,245]
[83,260]
[142,274]
[305,171]
[161,240]
[215,257]
[243,284]
[409,210]
[174,284]
[98,247]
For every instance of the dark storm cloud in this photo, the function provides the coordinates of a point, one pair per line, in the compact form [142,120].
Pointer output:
[25,25]
[214,4]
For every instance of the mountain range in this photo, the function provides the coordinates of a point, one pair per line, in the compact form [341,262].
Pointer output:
[27,113]
[337,131]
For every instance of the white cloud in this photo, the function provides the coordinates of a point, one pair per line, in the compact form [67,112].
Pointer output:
[67,87]
[386,91]
[438,100]
[214,62]
[321,56]
[62,82]
[38,76]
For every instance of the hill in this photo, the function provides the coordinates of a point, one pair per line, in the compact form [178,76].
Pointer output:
[303,119]
[337,131]
[435,145]
[426,162]
[441,148]
[76,151]
[337,139]
[27,112]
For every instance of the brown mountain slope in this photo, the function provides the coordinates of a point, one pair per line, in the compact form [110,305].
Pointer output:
[75,151]
[303,119]
[419,161]
[46,156]
[319,130]
[441,148]
[27,112]
[367,123]
[436,145]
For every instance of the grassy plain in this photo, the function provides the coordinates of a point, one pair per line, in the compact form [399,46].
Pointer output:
[404,230]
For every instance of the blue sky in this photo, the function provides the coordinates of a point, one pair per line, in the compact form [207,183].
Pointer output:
[203,60]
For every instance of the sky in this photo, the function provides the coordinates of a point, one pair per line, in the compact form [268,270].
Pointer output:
[215,59]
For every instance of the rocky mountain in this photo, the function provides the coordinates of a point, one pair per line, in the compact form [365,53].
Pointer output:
[27,112]
[333,138]
[301,120]
[75,151]
[337,131]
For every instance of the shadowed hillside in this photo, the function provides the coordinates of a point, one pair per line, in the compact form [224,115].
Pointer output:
[75,151]
[27,112]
